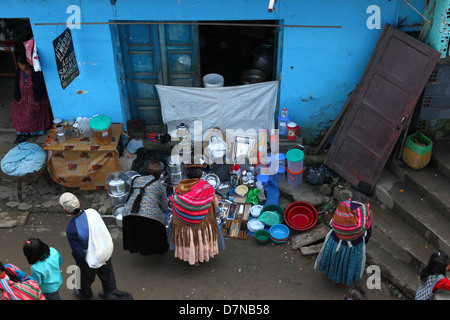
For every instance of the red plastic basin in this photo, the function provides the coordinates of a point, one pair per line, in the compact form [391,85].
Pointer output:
[300,215]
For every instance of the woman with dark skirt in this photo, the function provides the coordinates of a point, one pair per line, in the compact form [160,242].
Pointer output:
[144,225]
[30,112]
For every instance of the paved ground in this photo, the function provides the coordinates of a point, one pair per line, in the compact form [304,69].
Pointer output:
[244,271]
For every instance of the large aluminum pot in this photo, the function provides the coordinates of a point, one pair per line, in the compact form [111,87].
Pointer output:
[117,182]
[174,164]
[117,213]
[117,199]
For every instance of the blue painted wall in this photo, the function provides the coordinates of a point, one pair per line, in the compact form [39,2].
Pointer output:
[320,67]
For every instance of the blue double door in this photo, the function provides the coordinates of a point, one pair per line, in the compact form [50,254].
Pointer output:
[149,54]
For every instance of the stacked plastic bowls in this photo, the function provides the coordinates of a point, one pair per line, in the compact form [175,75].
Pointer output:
[279,233]
[300,216]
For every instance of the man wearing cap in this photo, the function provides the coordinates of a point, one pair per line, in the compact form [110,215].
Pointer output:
[91,253]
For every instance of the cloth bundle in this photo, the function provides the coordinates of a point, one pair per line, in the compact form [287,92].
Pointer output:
[351,219]
[194,223]
[191,207]
[23,159]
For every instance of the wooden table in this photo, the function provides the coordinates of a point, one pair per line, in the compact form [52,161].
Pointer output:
[81,162]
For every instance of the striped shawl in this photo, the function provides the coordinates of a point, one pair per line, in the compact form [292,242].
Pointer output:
[351,219]
[193,205]
[26,288]
[192,200]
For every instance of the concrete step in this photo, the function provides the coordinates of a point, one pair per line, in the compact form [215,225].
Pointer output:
[397,249]
[428,183]
[414,210]
[405,243]
[440,157]
[396,271]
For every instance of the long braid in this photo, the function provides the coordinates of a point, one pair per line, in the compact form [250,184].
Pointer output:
[137,202]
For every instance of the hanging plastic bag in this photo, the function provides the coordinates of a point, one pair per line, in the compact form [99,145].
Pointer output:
[36,62]
[29,47]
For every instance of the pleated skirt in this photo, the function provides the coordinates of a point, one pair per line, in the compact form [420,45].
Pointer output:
[143,235]
[342,263]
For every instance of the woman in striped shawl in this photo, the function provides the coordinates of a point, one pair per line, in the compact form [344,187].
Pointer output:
[343,254]
[17,285]
[194,231]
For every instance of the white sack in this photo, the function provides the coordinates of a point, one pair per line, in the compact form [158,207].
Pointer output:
[237,107]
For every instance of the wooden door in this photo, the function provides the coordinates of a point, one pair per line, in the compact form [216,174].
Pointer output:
[155,54]
[381,107]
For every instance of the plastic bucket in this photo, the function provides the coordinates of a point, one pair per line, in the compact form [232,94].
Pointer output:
[417,151]
[262,236]
[294,178]
[101,129]
[281,174]
[295,160]
[263,178]
[213,80]
[280,158]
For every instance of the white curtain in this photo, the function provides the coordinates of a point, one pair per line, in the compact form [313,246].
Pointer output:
[237,107]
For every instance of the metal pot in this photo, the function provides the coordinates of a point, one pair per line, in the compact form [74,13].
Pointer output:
[174,165]
[117,199]
[130,175]
[263,58]
[117,183]
[176,177]
[250,76]
[117,213]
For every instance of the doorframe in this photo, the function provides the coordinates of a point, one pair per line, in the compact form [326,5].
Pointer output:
[120,73]
[121,76]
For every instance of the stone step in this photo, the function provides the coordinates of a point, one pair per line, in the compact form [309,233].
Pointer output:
[392,231]
[397,249]
[440,157]
[400,274]
[428,183]
[414,210]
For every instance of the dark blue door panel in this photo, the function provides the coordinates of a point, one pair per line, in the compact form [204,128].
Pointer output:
[156,54]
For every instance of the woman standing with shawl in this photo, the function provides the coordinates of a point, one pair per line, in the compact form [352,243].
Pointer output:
[194,230]
[144,223]
[30,112]
[343,254]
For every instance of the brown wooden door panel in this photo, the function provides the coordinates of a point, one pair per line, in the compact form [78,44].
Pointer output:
[381,107]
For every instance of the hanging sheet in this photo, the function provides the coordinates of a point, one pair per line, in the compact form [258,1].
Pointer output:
[237,107]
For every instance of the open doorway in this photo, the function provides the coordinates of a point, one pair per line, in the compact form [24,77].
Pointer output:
[181,54]
[239,50]
[13,34]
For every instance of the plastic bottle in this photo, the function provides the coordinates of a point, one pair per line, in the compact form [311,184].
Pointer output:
[284,113]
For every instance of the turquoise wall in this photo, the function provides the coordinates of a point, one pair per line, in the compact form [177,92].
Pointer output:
[320,67]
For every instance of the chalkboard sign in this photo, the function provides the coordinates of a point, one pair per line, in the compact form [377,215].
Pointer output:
[66,62]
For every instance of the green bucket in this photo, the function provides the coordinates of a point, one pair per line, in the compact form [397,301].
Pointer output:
[419,143]
[100,123]
[262,236]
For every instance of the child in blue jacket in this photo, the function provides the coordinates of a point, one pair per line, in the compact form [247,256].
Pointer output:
[45,267]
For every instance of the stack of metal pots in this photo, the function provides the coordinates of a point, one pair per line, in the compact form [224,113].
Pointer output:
[118,186]
[175,170]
